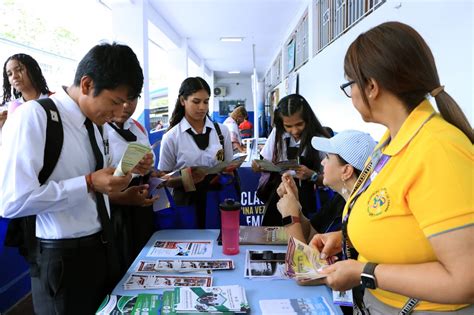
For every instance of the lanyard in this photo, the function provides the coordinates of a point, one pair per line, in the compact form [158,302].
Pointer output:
[377,162]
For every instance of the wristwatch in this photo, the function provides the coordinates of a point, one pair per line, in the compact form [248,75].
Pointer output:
[314,177]
[367,277]
[289,220]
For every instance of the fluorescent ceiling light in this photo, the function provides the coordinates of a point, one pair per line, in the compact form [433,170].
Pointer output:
[232,39]
[234,72]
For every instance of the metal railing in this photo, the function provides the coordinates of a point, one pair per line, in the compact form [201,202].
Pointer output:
[335,17]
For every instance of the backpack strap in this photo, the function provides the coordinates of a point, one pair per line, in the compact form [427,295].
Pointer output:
[21,232]
[54,139]
[219,133]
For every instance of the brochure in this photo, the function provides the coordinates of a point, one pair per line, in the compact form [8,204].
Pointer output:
[155,189]
[260,235]
[225,166]
[312,306]
[117,305]
[147,304]
[169,265]
[218,299]
[185,248]
[279,167]
[139,281]
[265,264]
[134,153]
[302,261]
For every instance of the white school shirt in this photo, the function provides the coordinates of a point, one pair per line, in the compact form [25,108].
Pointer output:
[63,206]
[268,148]
[118,145]
[234,130]
[178,149]
[20,100]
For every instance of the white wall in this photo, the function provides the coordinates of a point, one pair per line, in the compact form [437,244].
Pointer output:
[447,26]
[240,91]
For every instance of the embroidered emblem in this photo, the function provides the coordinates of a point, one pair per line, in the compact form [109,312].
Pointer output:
[54,116]
[379,202]
[220,155]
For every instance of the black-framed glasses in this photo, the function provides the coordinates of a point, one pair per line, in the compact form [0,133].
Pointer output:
[346,88]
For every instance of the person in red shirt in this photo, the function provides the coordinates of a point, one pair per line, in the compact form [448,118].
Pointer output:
[246,128]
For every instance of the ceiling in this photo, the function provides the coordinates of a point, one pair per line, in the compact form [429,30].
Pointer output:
[264,23]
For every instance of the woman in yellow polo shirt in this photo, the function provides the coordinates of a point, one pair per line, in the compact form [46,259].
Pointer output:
[410,216]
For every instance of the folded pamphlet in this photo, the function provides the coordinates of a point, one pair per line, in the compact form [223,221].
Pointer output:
[132,155]
[282,166]
[303,262]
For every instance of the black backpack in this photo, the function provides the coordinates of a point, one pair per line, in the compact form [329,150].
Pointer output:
[21,232]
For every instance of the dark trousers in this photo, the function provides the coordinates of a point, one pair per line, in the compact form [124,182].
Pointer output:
[133,227]
[70,280]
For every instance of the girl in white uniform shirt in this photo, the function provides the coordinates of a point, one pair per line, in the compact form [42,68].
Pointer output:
[192,139]
[295,125]
[22,81]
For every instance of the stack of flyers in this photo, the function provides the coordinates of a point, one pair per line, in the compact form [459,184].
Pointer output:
[221,299]
[145,281]
[198,249]
[302,261]
[313,306]
[169,265]
[117,305]
[147,304]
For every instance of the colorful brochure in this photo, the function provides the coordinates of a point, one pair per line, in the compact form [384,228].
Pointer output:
[279,167]
[313,306]
[134,153]
[303,262]
[169,265]
[186,248]
[139,281]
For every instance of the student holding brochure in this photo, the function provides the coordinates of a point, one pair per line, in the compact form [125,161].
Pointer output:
[75,263]
[295,126]
[193,140]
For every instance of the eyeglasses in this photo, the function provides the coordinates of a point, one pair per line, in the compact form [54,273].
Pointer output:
[346,88]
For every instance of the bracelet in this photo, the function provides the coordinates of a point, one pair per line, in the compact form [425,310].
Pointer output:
[90,185]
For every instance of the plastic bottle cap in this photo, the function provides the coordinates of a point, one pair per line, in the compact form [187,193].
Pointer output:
[229,205]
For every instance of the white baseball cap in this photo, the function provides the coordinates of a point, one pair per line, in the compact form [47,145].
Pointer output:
[353,146]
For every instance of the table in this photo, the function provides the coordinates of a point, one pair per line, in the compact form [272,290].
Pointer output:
[256,290]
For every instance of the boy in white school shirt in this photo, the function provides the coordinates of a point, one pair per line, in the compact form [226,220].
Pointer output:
[74,256]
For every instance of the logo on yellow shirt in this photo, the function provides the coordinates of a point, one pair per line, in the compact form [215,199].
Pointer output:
[379,202]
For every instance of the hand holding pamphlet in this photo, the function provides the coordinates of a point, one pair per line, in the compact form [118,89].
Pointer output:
[224,166]
[134,153]
[303,262]
[282,166]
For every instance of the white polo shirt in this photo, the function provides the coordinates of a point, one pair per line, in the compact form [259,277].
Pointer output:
[234,131]
[178,149]
[63,206]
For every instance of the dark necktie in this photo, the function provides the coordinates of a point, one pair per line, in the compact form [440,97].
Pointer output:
[125,133]
[202,140]
[107,233]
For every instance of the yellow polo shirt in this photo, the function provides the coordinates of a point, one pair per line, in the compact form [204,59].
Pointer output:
[426,188]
